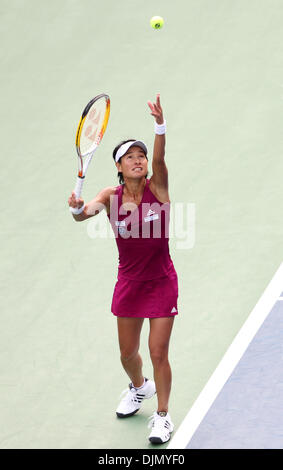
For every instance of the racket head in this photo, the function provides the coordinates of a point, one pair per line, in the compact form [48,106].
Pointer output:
[92,126]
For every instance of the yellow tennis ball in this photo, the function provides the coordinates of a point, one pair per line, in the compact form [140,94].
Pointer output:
[156,22]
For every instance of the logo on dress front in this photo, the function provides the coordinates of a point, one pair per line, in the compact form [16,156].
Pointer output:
[151,215]
[121,226]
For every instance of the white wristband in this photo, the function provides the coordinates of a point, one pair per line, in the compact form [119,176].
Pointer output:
[160,129]
[77,211]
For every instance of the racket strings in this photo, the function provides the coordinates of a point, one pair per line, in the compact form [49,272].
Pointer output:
[92,129]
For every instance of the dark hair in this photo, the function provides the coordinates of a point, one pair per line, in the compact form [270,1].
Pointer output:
[120,174]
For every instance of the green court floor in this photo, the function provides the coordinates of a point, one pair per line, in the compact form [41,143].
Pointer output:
[218,65]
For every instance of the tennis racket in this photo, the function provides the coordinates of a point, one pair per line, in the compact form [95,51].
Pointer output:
[89,134]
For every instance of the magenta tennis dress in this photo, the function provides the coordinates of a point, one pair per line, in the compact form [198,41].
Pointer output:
[147,283]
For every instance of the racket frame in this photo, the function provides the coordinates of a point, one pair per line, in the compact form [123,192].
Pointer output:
[85,159]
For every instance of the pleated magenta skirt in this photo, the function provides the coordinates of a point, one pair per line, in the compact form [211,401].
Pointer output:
[146,299]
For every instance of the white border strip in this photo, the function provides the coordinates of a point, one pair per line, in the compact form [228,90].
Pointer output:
[272,293]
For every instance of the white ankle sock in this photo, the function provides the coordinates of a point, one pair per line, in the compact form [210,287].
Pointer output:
[137,388]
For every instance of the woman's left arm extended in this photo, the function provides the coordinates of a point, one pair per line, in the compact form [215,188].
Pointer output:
[159,169]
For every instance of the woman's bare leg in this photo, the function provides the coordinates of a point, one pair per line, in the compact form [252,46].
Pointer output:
[159,336]
[129,330]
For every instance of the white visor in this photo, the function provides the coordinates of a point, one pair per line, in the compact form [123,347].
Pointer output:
[125,147]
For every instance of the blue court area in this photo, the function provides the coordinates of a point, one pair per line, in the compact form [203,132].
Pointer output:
[247,413]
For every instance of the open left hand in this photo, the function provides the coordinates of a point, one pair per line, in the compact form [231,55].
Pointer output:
[156,110]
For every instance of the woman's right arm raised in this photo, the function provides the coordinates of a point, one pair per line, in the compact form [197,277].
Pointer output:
[96,205]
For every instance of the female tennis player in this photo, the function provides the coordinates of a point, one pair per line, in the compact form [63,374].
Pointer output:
[147,283]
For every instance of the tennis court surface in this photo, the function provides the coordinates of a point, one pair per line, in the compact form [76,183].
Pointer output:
[241,407]
[218,66]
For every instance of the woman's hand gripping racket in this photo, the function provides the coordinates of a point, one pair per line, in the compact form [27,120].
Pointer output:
[89,134]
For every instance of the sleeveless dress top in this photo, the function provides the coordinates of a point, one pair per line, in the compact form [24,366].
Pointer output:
[147,284]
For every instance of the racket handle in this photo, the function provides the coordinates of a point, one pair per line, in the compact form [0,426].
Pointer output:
[79,187]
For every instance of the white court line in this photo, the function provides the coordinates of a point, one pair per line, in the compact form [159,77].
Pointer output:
[227,364]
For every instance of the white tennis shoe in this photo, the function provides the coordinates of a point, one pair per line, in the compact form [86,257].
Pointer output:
[162,427]
[133,398]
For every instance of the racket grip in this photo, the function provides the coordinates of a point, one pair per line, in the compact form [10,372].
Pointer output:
[79,187]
